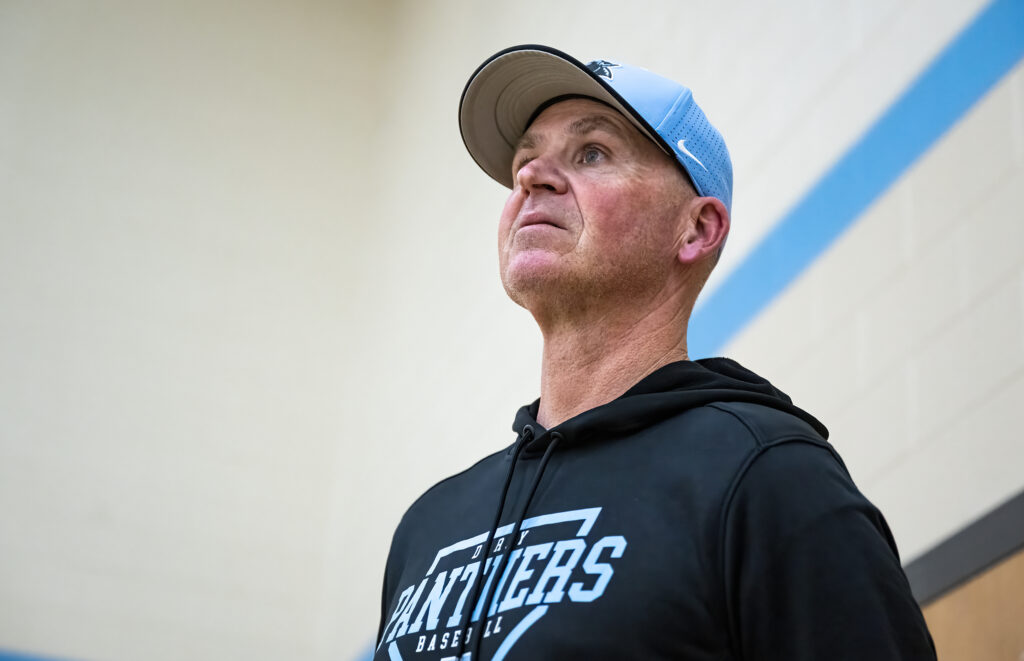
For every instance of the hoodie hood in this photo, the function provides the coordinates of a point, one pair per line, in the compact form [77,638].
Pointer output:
[664,393]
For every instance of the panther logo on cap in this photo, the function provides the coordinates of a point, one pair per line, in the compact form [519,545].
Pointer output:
[602,68]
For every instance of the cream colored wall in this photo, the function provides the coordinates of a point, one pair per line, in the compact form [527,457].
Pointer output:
[180,195]
[252,310]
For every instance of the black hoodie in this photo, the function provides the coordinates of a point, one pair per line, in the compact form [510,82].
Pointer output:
[698,516]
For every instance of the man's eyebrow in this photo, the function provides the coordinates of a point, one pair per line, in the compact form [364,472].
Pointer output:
[585,125]
[527,141]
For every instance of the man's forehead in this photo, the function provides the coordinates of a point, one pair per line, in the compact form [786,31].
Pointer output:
[579,117]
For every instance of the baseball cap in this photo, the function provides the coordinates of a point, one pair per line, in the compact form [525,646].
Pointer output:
[508,90]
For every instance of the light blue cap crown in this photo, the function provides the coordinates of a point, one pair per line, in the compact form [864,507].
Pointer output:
[506,92]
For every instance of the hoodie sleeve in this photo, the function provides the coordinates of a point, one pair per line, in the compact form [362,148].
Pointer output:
[811,569]
[384,592]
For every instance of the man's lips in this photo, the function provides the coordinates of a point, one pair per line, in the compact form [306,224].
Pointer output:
[537,218]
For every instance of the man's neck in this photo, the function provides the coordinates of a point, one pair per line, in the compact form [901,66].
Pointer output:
[587,363]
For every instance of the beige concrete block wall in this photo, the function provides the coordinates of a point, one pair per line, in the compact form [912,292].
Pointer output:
[251,307]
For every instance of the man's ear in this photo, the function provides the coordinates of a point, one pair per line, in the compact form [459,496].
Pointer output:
[706,229]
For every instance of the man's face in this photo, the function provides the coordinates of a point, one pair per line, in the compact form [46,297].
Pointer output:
[596,214]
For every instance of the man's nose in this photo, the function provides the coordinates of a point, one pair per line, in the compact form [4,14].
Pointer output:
[542,174]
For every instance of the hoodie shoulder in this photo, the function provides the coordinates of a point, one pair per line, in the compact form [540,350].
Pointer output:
[455,485]
[455,498]
[768,424]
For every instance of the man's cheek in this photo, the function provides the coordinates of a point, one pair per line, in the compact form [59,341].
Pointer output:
[504,229]
[513,202]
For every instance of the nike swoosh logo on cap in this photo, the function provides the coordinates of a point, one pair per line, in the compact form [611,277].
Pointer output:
[682,147]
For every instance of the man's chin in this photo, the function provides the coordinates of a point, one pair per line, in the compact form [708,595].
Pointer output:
[534,259]
[533,268]
[542,289]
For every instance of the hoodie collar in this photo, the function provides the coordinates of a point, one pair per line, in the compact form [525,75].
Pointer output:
[666,392]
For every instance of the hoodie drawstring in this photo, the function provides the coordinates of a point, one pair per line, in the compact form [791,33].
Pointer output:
[555,438]
[526,437]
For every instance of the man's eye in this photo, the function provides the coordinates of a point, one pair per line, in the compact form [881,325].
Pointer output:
[519,164]
[591,155]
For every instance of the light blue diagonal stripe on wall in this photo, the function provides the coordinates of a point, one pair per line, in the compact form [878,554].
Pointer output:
[7,655]
[961,75]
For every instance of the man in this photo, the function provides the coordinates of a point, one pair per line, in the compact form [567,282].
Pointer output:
[651,507]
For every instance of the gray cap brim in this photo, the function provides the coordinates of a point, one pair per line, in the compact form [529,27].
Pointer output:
[504,93]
